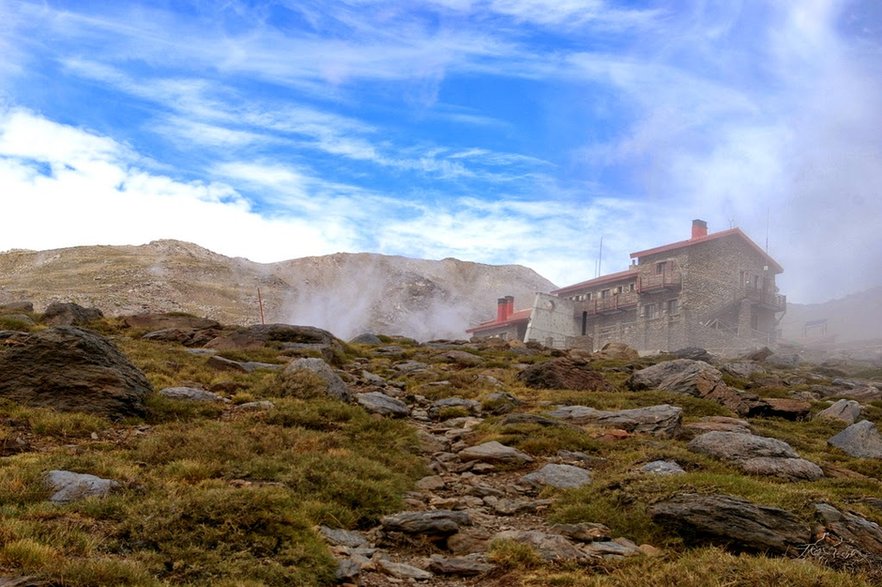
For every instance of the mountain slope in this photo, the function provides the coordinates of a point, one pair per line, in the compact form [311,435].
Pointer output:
[345,293]
[852,318]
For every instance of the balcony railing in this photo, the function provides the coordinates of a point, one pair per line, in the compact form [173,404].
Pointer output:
[766,299]
[668,279]
[615,303]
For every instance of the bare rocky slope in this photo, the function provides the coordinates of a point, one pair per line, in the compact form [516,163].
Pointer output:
[344,293]
[856,317]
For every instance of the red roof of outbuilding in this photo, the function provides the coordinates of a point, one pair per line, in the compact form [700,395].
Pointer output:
[519,316]
[717,235]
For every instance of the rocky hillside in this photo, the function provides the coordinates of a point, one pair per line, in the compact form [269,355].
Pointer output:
[168,449]
[857,317]
[344,293]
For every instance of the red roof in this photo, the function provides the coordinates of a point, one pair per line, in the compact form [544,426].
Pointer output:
[519,316]
[717,235]
[611,278]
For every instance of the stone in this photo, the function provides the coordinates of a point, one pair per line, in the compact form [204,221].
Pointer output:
[174,320]
[538,419]
[860,440]
[787,408]
[257,406]
[469,540]
[373,379]
[431,483]
[69,486]
[437,409]
[853,529]
[406,367]
[695,378]
[347,570]
[718,424]
[69,369]
[617,351]
[341,537]
[551,547]
[462,358]
[366,338]
[662,420]
[500,402]
[433,522]
[732,521]
[662,468]
[460,566]
[378,402]
[733,446]
[494,452]
[558,476]
[785,468]
[564,373]
[224,364]
[336,388]
[618,548]
[191,394]
[186,337]
[286,336]
[583,531]
[694,353]
[403,571]
[742,369]
[845,410]
[69,314]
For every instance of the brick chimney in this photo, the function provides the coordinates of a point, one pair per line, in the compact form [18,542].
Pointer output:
[501,309]
[699,229]
[509,306]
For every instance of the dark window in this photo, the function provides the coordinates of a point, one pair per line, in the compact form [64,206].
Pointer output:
[660,267]
[649,311]
[604,294]
[673,306]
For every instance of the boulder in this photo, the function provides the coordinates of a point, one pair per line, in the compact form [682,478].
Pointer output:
[69,486]
[378,402]
[500,402]
[731,521]
[851,528]
[564,373]
[694,353]
[367,338]
[717,424]
[662,420]
[494,452]
[224,364]
[787,408]
[662,468]
[845,410]
[169,321]
[431,523]
[558,476]
[469,405]
[403,571]
[336,388]
[341,537]
[583,531]
[551,547]
[17,308]
[784,468]
[860,440]
[742,369]
[184,336]
[461,566]
[462,358]
[734,446]
[73,370]
[70,314]
[286,336]
[191,394]
[618,351]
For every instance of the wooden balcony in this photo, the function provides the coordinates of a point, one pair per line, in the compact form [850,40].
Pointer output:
[767,300]
[652,282]
[614,304]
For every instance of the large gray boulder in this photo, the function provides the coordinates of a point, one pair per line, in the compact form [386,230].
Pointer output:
[662,420]
[732,521]
[69,486]
[558,476]
[860,440]
[69,314]
[756,455]
[72,370]
[335,386]
[495,452]
[431,523]
[378,402]
[844,410]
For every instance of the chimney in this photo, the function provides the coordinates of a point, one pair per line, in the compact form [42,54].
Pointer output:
[501,309]
[509,304]
[699,229]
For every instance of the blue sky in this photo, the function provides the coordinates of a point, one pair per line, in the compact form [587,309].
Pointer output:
[497,131]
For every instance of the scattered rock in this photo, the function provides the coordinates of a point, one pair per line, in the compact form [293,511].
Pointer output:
[403,571]
[846,410]
[742,369]
[17,308]
[224,364]
[789,409]
[433,523]
[551,547]
[717,424]
[191,394]
[366,338]
[662,420]
[186,337]
[74,370]
[855,530]
[694,353]
[618,351]
[662,468]
[494,452]
[564,373]
[378,402]
[733,446]
[462,358]
[583,532]
[164,321]
[793,469]
[437,409]
[69,314]
[618,548]
[558,476]
[340,537]
[336,388]
[500,402]
[431,483]
[731,521]
[258,406]
[405,367]
[347,570]
[460,566]
[286,335]
[860,440]
[69,486]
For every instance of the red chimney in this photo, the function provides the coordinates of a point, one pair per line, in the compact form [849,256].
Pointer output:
[699,229]
[501,309]
[509,305]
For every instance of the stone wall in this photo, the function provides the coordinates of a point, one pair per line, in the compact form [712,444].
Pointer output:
[552,321]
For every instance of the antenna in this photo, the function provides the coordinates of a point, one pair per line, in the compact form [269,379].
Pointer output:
[599,258]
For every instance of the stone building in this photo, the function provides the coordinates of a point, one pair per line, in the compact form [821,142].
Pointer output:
[714,290]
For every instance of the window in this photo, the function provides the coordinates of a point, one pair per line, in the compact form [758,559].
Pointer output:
[660,267]
[604,294]
[673,306]
[649,311]
[630,287]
